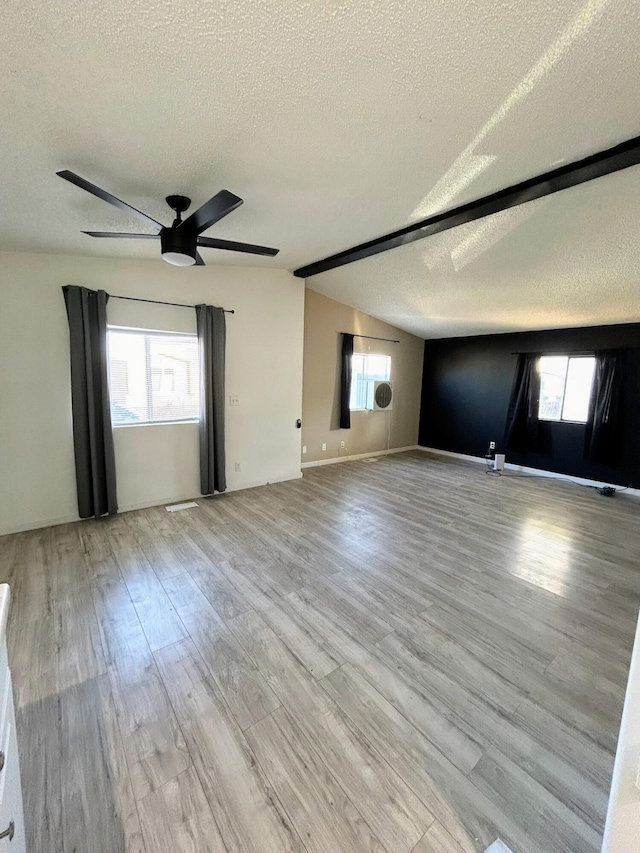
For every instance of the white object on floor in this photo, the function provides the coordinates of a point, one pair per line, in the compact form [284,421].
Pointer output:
[176,507]
[498,847]
[11,814]
[622,830]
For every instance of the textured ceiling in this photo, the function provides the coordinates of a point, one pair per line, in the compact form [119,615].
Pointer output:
[572,259]
[337,122]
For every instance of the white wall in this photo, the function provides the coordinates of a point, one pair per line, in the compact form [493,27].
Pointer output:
[155,464]
[622,829]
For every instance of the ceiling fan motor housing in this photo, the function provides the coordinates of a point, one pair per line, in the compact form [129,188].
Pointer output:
[178,246]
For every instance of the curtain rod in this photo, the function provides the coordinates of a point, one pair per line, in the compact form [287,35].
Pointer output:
[372,338]
[568,352]
[159,302]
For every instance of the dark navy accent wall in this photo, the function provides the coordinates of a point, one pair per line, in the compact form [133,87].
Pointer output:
[467,383]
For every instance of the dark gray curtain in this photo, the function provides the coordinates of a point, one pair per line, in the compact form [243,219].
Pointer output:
[92,432]
[211,341]
[521,432]
[345,381]
[602,432]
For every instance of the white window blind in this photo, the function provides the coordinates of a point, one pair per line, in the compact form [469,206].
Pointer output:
[153,376]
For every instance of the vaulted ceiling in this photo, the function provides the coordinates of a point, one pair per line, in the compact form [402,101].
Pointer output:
[338,122]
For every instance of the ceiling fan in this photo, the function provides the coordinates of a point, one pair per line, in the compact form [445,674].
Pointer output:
[180,241]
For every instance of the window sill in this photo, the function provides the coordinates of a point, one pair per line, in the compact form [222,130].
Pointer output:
[561,421]
[154,423]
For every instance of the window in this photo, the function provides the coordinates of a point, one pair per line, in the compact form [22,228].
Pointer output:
[565,387]
[365,370]
[153,376]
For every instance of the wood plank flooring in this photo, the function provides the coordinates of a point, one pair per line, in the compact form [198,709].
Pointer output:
[391,656]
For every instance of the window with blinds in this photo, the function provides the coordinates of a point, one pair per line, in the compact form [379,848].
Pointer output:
[153,376]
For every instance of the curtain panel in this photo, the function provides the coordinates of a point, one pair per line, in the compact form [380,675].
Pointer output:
[602,431]
[345,381]
[521,432]
[212,345]
[92,431]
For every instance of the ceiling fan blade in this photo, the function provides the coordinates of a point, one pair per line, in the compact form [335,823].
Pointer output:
[211,211]
[105,196]
[231,246]
[121,235]
[199,261]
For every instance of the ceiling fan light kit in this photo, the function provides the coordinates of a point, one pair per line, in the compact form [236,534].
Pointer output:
[178,247]
[178,259]
[179,242]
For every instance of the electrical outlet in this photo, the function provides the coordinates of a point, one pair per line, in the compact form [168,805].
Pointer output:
[492,445]
[304,449]
[342,445]
[237,466]
[234,401]
[324,446]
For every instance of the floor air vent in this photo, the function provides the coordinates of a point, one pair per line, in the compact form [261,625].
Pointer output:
[176,507]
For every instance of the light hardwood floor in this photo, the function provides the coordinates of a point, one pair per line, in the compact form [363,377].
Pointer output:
[394,655]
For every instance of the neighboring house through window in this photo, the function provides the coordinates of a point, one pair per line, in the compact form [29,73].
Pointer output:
[153,376]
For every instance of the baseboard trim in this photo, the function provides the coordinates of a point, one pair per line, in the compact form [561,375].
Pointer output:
[38,525]
[280,479]
[172,499]
[452,454]
[538,472]
[355,457]
[175,499]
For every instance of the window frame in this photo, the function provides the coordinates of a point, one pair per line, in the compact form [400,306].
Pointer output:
[142,331]
[367,354]
[570,357]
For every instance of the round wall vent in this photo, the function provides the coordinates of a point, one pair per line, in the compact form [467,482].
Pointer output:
[383,395]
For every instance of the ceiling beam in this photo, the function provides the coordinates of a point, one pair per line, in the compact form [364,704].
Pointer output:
[579,172]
